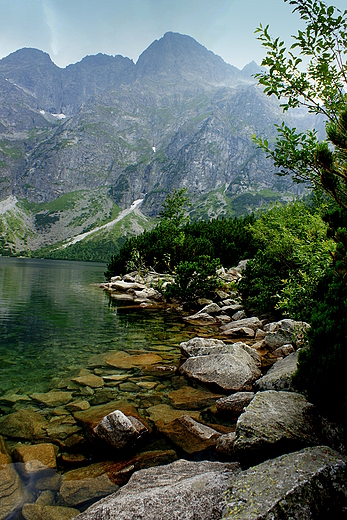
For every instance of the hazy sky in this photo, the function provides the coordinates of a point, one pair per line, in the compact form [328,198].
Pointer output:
[70,29]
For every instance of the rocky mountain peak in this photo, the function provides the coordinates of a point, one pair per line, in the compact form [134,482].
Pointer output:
[180,55]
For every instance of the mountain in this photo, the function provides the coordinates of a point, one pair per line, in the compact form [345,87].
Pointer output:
[179,117]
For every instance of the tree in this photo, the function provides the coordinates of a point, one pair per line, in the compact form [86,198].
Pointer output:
[321,88]
[174,208]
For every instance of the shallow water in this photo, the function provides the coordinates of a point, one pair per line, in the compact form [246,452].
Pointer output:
[53,321]
[57,324]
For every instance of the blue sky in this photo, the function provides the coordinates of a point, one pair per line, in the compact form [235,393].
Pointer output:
[70,29]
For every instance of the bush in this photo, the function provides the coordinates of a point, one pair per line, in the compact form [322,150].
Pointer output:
[194,280]
[322,365]
[294,256]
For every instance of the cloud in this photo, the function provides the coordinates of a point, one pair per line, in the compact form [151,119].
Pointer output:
[52,24]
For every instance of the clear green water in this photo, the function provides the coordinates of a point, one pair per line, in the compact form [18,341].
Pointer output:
[54,322]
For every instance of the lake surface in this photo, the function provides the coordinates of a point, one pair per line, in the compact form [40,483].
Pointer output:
[53,321]
[56,325]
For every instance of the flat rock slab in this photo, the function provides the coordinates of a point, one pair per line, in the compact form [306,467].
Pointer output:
[90,380]
[276,422]
[126,361]
[53,398]
[251,323]
[233,371]
[311,483]
[91,417]
[25,425]
[239,332]
[279,377]
[75,492]
[192,398]
[190,435]
[162,414]
[41,512]
[201,318]
[36,457]
[179,491]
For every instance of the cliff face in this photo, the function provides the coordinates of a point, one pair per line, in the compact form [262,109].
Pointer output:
[180,117]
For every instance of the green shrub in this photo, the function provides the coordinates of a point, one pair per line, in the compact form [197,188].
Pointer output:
[194,280]
[294,256]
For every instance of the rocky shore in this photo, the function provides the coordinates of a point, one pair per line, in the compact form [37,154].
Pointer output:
[239,441]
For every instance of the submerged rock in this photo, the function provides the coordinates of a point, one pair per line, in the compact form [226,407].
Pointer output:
[13,494]
[162,414]
[42,512]
[311,483]
[191,398]
[53,398]
[180,491]
[279,377]
[124,360]
[274,423]
[36,458]
[25,425]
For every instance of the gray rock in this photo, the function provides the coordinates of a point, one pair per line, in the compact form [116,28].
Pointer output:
[283,332]
[202,347]
[234,404]
[225,444]
[201,318]
[232,309]
[260,334]
[310,483]
[118,430]
[284,351]
[179,491]
[276,422]
[239,332]
[279,377]
[252,323]
[211,308]
[239,315]
[235,370]
[119,285]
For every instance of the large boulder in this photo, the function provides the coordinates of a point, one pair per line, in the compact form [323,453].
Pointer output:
[203,346]
[311,483]
[274,423]
[284,332]
[279,377]
[232,369]
[180,491]
[120,431]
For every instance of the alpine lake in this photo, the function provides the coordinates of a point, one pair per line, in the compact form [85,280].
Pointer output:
[70,354]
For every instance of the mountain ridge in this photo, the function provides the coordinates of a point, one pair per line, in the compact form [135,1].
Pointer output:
[179,117]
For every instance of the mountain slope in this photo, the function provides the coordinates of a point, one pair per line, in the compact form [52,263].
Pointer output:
[179,117]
